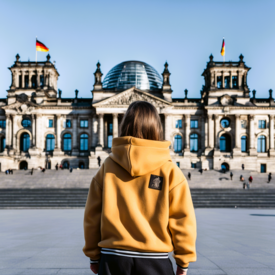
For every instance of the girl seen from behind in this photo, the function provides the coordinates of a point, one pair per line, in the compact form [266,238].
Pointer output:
[139,205]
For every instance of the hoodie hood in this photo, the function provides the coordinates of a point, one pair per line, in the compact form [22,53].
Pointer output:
[140,156]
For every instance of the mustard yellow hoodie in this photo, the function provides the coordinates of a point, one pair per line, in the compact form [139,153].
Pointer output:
[139,200]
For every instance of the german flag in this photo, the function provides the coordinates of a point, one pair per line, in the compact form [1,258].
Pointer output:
[223,48]
[41,47]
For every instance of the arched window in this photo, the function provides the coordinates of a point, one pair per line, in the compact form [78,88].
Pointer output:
[225,143]
[67,142]
[2,144]
[244,144]
[261,146]
[26,122]
[194,143]
[84,142]
[50,142]
[25,142]
[177,143]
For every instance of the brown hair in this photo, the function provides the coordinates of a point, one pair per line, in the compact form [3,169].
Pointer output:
[141,120]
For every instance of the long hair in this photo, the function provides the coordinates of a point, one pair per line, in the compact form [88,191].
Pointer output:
[142,120]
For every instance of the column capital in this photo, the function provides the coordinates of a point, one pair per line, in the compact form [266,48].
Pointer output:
[237,116]
[58,116]
[100,115]
[115,115]
[251,117]
[271,116]
[33,116]
[187,116]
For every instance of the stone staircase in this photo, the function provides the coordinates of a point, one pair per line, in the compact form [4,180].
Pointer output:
[76,198]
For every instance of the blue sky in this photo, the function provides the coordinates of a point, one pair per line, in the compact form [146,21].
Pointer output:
[185,33]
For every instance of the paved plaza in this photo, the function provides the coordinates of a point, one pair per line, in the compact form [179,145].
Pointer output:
[44,242]
[82,179]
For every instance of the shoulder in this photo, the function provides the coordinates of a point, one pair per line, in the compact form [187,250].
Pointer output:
[174,174]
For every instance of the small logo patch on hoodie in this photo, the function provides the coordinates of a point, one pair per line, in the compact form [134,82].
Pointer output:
[155,182]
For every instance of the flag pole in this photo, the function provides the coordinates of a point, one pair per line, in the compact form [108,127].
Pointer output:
[35,51]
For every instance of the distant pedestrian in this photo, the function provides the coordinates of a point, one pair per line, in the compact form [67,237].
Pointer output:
[32,171]
[61,167]
[7,172]
[189,175]
[241,176]
[43,170]
[98,160]
[56,167]
[244,185]
[250,179]
[248,185]
[71,169]
[201,171]
[231,175]
[243,166]
[269,178]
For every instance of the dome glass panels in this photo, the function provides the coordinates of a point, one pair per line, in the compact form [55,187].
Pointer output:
[132,73]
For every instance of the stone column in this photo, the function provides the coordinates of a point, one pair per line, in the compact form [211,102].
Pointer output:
[75,146]
[252,150]
[223,80]
[94,131]
[58,132]
[30,79]
[215,79]
[187,131]
[23,78]
[211,131]
[239,79]
[206,130]
[230,80]
[216,119]
[13,84]
[115,126]
[33,130]
[167,125]
[237,132]
[8,126]
[100,131]
[271,132]
[203,133]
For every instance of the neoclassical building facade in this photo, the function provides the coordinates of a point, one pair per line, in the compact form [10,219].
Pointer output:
[225,127]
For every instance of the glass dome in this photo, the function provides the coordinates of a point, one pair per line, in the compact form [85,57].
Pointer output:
[132,73]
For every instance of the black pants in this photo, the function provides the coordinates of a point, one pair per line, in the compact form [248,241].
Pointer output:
[120,265]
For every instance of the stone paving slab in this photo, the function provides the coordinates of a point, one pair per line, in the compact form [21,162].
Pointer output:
[82,179]
[44,242]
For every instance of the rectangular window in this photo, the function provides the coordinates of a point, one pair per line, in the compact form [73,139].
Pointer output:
[219,82]
[83,123]
[193,165]
[3,124]
[234,82]
[227,82]
[20,81]
[68,123]
[194,123]
[262,124]
[179,123]
[50,123]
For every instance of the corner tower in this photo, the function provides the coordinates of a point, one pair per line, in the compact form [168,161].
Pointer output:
[225,81]
[37,80]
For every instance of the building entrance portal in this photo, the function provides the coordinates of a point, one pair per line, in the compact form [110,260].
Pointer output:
[23,165]
[225,166]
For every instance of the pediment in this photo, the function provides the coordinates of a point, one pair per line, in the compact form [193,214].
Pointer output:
[125,98]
